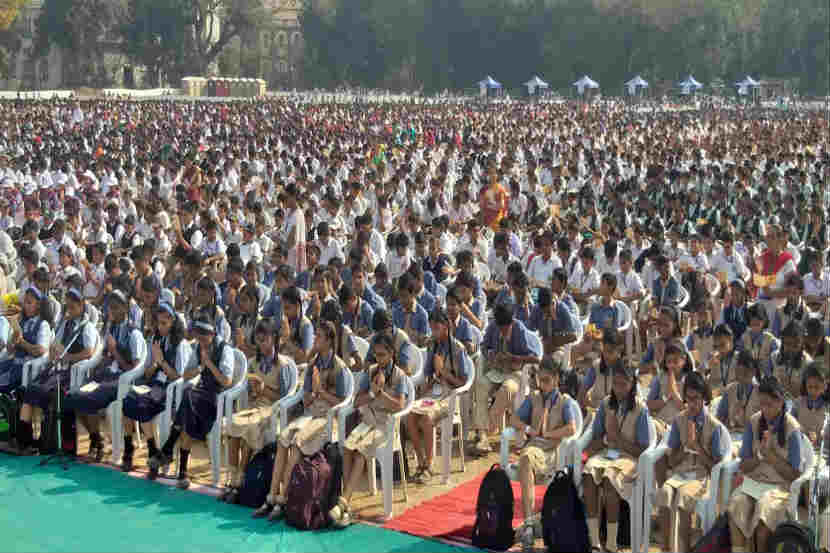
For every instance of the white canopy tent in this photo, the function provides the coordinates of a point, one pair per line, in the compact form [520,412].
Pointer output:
[535,84]
[585,82]
[745,85]
[689,84]
[487,84]
[636,83]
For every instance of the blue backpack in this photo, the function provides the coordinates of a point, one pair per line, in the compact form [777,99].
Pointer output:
[563,515]
[493,528]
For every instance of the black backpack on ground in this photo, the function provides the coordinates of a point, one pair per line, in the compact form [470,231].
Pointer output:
[335,458]
[493,528]
[564,526]
[257,478]
[717,539]
[793,538]
[9,415]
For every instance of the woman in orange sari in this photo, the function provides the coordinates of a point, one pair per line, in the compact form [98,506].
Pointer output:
[493,203]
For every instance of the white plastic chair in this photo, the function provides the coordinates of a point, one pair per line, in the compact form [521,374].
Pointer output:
[416,364]
[441,294]
[386,454]
[449,423]
[80,371]
[33,367]
[361,345]
[685,296]
[276,420]
[636,504]
[731,468]
[706,508]
[297,396]
[164,420]
[524,384]
[564,452]
[114,410]
[224,411]
[483,271]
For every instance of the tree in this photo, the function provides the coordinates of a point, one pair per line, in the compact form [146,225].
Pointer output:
[155,37]
[9,9]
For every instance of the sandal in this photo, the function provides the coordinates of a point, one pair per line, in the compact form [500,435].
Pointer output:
[341,507]
[424,476]
[263,511]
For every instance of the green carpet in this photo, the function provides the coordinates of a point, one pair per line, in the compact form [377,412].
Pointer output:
[96,509]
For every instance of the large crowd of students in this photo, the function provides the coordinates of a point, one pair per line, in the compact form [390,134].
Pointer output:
[645,266]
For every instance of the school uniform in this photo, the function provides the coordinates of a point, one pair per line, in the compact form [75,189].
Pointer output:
[771,509]
[35,331]
[809,414]
[197,412]
[659,390]
[541,452]
[788,370]
[41,391]
[762,346]
[684,493]
[433,399]
[251,424]
[148,397]
[371,434]
[415,321]
[307,431]
[722,372]
[90,400]
[738,404]
[361,320]
[633,426]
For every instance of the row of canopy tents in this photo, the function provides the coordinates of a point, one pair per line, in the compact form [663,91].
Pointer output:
[635,85]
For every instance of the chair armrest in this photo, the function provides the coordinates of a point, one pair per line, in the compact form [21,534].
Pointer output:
[795,490]
[580,445]
[233,393]
[510,434]
[172,393]
[125,381]
[287,403]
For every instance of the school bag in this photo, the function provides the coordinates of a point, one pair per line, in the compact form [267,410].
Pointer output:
[564,526]
[257,478]
[791,536]
[9,414]
[308,498]
[717,539]
[493,528]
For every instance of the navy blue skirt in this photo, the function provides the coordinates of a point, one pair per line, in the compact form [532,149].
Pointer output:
[11,375]
[144,407]
[197,412]
[41,392]
[89,403]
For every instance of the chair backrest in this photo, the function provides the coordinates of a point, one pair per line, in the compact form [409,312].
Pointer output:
[441,294]
[292,376]
[483,271]
[536,341]
[478,336]
[240,365]
[361,345]
[712,284]
[579,420]
[168,296]
[417,363]
[685,296]
[809,453]
[625,323]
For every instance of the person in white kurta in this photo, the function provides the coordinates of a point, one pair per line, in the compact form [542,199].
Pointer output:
[295,231]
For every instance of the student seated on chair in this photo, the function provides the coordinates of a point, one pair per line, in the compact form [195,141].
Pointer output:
[197,413]
[603,314]
[546,417]
[29,338]
[791,362]
[619,435]
[268,380]
[507,347]
[381,391]
[696,444]
[809,408]
[771,456]
[740,400]
[75,329]
[721,363]
[598,380]
[148,398]
[120,355]
[665,394]
[444,370]
[324,386]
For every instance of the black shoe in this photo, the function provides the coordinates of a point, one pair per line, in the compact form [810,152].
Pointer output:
[233,497]
[276,513]
[182,482]
[160,459]
[223,497]
[127,463]
[263,511]
[153,474]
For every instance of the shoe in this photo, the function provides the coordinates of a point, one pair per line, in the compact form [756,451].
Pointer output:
[153,474]
[223,497]
[159,460]
[264,510]
[417,475]
[336,512]
[233,497]
[525,535]
[275,514]
[127,463]
[344,521]
[482,447]
[425,476]
[182,482]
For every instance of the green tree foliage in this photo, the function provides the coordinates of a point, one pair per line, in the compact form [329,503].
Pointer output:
[454,43]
